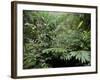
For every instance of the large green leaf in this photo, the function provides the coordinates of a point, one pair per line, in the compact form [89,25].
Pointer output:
[83,56]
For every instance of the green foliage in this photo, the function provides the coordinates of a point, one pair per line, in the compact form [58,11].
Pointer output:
[83,56]
[63,38]
[54,50]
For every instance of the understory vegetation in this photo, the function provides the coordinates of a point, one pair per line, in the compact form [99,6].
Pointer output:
[56,39]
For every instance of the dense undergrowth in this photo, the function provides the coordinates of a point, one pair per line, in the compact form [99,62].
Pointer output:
[56,39]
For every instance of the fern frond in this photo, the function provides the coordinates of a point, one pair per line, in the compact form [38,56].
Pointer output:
[83,56]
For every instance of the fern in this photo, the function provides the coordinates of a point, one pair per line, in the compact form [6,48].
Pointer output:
[56,50]
[66,56]
[83,56]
